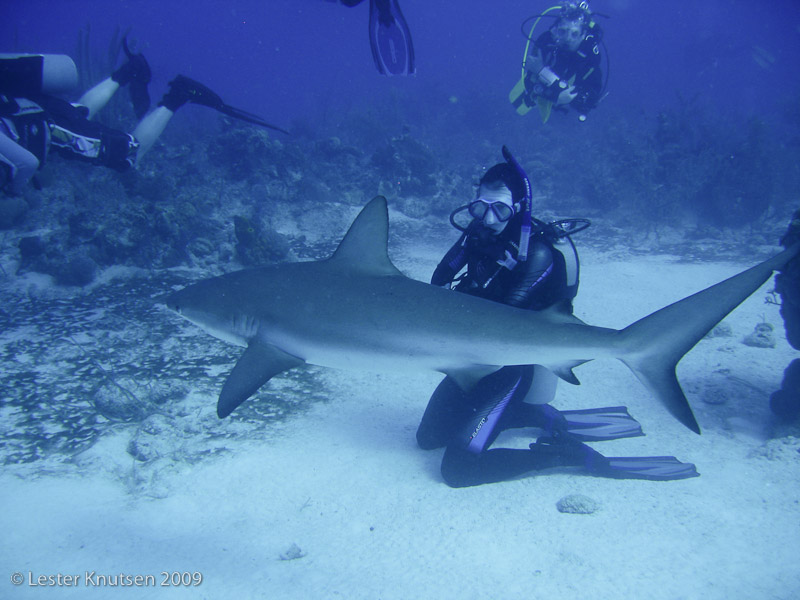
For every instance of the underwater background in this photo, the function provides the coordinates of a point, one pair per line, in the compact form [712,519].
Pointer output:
[694,155]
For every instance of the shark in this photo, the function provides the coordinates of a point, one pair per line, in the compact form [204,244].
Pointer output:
[356,310]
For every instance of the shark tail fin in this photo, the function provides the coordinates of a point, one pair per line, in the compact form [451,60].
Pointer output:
[654,345]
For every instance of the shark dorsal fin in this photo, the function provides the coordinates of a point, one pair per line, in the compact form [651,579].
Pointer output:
[364,247]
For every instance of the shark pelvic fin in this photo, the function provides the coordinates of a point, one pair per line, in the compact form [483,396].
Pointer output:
[468,377]
[365,246]
[259,363]
[655,344]
[564,371]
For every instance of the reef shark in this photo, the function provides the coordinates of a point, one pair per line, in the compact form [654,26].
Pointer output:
[356,310]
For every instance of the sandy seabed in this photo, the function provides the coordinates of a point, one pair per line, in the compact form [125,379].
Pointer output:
[340,503]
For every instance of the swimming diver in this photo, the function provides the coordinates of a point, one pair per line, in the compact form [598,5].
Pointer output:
[35,119]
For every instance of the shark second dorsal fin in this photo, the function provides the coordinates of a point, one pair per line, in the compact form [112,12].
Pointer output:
[365,245]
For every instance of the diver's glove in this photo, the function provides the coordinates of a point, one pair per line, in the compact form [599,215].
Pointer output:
[566,96]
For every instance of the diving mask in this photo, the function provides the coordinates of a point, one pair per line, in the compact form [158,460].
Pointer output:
[569,33]
[502,211]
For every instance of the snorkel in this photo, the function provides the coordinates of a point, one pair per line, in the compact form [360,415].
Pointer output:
[525,206]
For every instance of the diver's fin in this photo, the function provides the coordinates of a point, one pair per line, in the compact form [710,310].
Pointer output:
[259,363]
[182,89]
[545,108]
[654,468]
[390,39]
[517,96]
[135,73]
[589,425]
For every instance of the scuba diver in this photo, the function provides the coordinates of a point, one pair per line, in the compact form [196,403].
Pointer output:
[34,118]
[562,67]
[518,260]
[785,403]
[389,37]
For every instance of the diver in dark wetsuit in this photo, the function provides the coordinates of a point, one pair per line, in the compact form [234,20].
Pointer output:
[34,119]
[785,402]
[512,258]
[562,68]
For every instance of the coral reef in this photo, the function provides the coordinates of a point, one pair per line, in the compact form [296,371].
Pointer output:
[684,176]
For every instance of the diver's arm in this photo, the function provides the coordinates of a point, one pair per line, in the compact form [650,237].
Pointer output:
[451,263]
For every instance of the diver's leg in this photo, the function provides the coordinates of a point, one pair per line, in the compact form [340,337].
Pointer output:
[492,397]
[446,409]
[98,96]
[461,468]
[472,419]
[785,403]
[21,162]
[543,390]
[135,71]
[149,128]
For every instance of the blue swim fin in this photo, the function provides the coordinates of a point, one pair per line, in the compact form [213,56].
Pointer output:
[390,39]
[588,425]
[653,468]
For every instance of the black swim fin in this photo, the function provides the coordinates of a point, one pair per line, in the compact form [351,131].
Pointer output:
[588,425]
[390,39]
[183,90]
[136,75]
[653,468]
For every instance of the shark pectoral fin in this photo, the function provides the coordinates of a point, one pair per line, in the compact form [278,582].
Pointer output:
[468,377]
[258,364]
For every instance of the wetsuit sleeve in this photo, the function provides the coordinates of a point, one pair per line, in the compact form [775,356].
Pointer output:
[537,269]
[451,264]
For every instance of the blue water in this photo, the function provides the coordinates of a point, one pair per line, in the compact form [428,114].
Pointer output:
[301,58]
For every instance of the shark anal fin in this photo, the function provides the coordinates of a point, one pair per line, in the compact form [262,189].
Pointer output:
[259,363]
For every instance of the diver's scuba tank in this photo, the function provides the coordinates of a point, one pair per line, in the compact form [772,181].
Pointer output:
[33,74]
